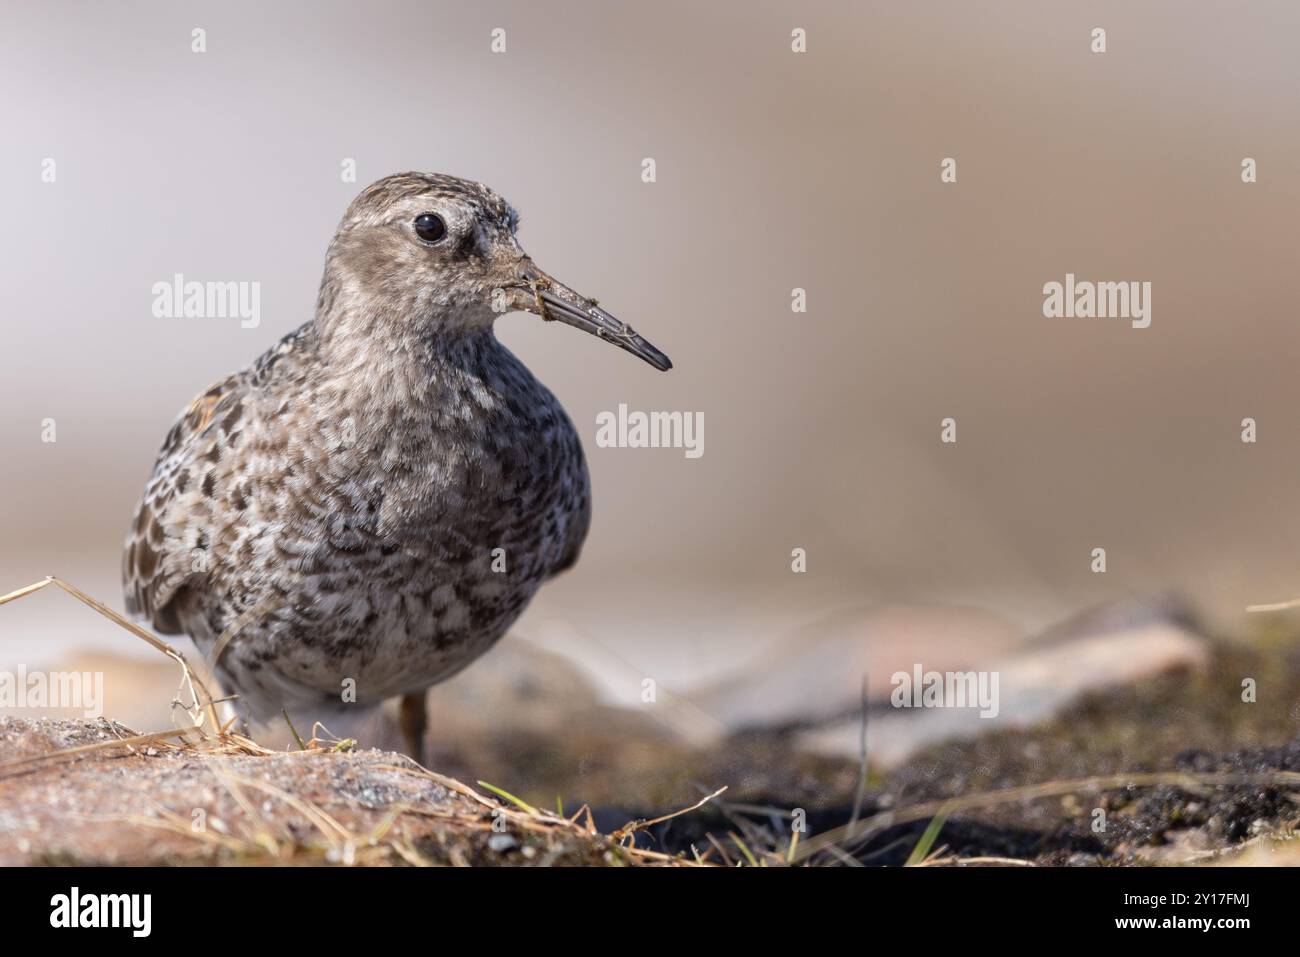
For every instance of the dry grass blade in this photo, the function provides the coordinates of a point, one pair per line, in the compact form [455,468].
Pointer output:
[844,857]
[410,855]
[262,836]
[722,851]
[451,784]
[332,830]
[631,827]
[24,591]
[954,861]
[174,824]
[188,678]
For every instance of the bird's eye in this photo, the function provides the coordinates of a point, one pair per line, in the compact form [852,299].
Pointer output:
[430,227]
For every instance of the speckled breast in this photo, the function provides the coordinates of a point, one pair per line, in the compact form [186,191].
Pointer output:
[409,547]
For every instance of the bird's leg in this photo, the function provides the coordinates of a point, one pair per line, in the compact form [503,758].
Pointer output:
[414,720]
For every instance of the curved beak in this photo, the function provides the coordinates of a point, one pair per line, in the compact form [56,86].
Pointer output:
[542,295]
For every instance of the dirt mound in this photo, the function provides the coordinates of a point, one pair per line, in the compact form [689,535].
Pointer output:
[95,792]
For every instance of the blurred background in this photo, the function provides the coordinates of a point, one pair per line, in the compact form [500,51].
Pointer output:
[775,170]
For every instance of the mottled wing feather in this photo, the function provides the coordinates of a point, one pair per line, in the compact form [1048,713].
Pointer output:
[172,519]
[156,559]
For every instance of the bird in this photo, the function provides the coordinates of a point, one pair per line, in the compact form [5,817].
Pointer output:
[367,507]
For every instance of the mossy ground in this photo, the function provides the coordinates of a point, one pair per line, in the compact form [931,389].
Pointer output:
[1194,720]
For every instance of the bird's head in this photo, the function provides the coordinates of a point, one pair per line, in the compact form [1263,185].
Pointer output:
[438,255]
